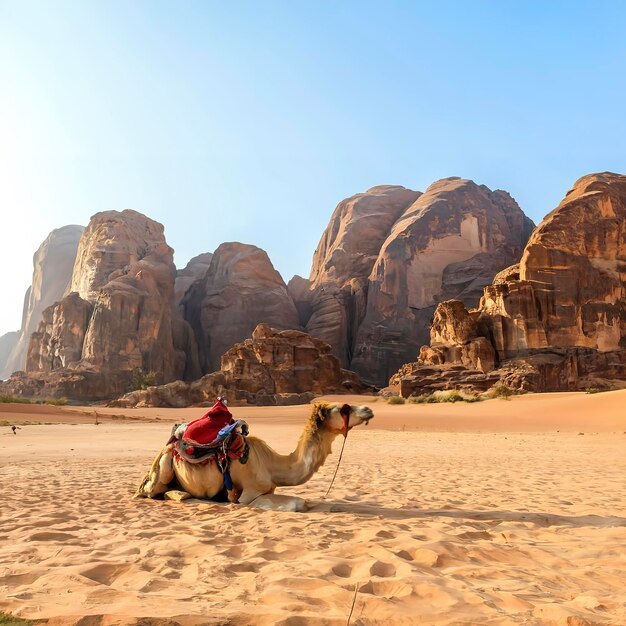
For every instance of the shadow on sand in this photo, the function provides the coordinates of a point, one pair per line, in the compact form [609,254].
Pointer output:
[538,518]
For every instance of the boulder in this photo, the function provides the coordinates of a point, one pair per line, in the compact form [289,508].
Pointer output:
[52,271]
[240,290]
[273,367]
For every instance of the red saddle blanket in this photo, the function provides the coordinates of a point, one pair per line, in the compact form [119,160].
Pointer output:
[237,449]
[205,428]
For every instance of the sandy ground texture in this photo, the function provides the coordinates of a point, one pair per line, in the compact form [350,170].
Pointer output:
[501,512]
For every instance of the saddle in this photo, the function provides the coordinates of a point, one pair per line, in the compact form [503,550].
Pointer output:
[213,438]
[228,445]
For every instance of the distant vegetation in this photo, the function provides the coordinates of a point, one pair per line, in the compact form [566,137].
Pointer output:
[141,380]
[6,398]
[599,389]
[449,395]
[502,391]
[6,619]
[396,400]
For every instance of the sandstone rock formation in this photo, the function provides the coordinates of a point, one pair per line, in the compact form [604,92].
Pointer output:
[332,302]
[52,271]
[557,320]
[7,345]
[390,255]
[119,315]
[195,270]
[240,290]
[272,367]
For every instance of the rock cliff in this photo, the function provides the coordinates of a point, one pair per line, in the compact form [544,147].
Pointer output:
[52,271]
[119,315]
[558,319]
[390,255]
[332,302]
[239,290]
[7,345]
[195,270]
[272,367]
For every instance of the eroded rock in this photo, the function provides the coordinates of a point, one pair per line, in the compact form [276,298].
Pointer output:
[558,320]
[52,271]
[448,244]
[240,290]
[273,367]
[119,315]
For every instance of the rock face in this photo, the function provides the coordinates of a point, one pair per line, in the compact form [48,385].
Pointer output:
[119,314]
[240,290]
[556,321]
[389,256]
[332,302]
[195,270]
[52,271]
[7,345]
[273,367]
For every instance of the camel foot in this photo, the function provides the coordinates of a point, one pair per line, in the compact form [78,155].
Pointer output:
[234,495]
[275,502]
[176,496]
[160,474]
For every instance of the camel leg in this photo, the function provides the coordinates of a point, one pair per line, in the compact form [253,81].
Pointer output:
[248,495]
[159,476]
[278,502]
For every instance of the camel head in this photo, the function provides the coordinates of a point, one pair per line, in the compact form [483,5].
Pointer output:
[334,417]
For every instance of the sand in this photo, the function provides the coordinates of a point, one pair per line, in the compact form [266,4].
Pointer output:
[502,512]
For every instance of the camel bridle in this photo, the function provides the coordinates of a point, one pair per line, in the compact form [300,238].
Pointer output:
[344,411]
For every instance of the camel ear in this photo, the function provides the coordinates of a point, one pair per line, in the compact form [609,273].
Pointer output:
[322,412]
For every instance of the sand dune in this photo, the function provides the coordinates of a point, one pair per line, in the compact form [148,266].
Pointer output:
[491,513]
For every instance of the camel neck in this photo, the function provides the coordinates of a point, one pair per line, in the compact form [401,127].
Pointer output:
[309,455]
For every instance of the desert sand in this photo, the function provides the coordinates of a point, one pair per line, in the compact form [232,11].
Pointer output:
[500,512]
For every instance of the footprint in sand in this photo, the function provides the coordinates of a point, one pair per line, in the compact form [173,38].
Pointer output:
[51,536]
[105,573]
[386,588]
[403,554]
[474,535]
[384,570]
[245,567]
[235,552]
[425,557]
[343,570]
[385,534]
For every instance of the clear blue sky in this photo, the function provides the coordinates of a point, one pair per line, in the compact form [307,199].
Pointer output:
[250,121]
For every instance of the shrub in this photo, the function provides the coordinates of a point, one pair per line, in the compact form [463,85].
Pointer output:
[141,380]
[6,619]
[503,391]
[18,399]
[396,400]
[62,401]
[448,395]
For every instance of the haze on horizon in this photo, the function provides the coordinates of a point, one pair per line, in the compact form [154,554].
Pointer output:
[250,122]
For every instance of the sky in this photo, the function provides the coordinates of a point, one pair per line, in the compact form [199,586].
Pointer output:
[250,121]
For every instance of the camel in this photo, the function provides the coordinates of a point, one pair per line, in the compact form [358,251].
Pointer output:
[265,469]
